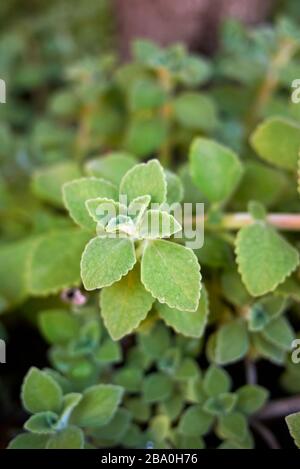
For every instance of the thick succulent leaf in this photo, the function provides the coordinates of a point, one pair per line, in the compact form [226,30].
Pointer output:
[145,179]
[216,381]
[125,304]
[277,141]
[233,426]
[40,392]
[268,350]
[55,261]
[41,423]
[264,258]
[97,406]
[102,210]
[187,323]
[175,190]
[105,260]
[77,192]
[47,182]
[111,167]
[279,333]
[172,274]
[215,169]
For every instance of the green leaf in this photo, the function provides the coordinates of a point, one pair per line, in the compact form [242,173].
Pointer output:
[109,352]
[173,406]
[129,378]
[125,304]
[40,392]
[215,169]
[158,224]
[28,441]
[58,326]
[268,350]
[155,342]
[70,401]
[42,422]
[55,261]
[175,190]
[264,311]
[77,192]
[233,426]
[111,167]
[97,406]
[156,387]
[139,409]
[220,405]
[172,274]
[145,93]
[195,111]
[231,342]
[145,135]
[216,381]
[114,430]
[293,423]
[68,438]
[47,182]
[14,258]
[102,210]
[138,207]
[105,260]
[264,258]
[277,141]
[145,179]
[187,323]
[195,422]
[280,333]
[251,398]
[159,427]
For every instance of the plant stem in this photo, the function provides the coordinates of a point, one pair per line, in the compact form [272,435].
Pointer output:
[286,50]
[279,408]
[235,221]
[250,369]
[265,434]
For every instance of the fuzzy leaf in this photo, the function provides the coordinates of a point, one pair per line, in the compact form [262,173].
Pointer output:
[293,423]
[215,169]
[77,192]
[105,260]
[220,405]
[277,141]
[40,392]
[233,426]
[55,261]
[264,258]
[129,378]
[58,326]
[28,441]
[279,333]
[116,428]
[102,210]
[195,422]
[216,381]
[111,167]
[47,182]
[172,274]
[97,406]
[158,224]
[42,422]
[145,179]
[231,342]
[145,134]
[187,323]
[268,350]
[195,111]
[251,398]
[125,304]
[156,387]
[68,438]
[175,191]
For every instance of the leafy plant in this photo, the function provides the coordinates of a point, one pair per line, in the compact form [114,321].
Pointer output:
[143,349]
